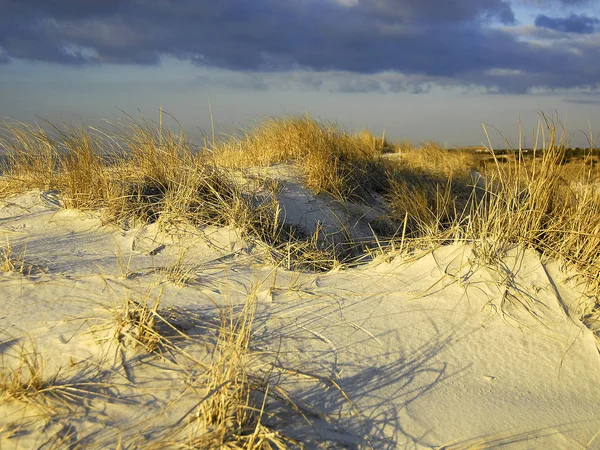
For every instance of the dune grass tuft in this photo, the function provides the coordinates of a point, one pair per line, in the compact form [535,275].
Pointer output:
[532,199]
[27,379]
[230,417]
[24,377]
[137,324]
[11,261]
[141,173]
[137,176]
[333,161]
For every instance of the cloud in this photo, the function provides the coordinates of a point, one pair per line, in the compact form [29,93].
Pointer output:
[574,23]
[575,2]
[582,101]
[552,3]
[234,80]
[427,42]
[583,97]
[231,33]
[440,10]
[327,81]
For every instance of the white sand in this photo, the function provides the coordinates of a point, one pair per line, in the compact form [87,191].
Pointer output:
[425,351]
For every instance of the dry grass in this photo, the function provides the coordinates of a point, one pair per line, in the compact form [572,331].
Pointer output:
[231,402]
[141,173]
[531,200]
[137,323]
[147,174]
[14,262]
[178,272]
[31,157]
[24,378]
[430,158]
[230,410]
[424,206]
[231,414]
[430,188]
[291,248]
[27,379]
[533,205]
[346,166]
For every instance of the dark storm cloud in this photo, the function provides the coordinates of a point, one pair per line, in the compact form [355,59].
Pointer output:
[574,23]
[440,10]
[452,42]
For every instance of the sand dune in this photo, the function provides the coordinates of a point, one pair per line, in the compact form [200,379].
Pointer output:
[415,350]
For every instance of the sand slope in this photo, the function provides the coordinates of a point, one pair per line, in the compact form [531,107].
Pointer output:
[407,351]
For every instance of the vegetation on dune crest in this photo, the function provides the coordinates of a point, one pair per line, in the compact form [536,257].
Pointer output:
[545,199]
[144,172]
[335,162]
[433,195]
[136,176]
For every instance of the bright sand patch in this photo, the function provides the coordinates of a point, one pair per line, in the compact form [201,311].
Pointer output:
[402,352]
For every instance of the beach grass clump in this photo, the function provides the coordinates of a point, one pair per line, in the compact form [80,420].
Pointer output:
[379,144]
[231,410]
[178,271]
[423,206]
[29,160]
[141,323]
[429,188]
[81,175]
[345,166]
[293,249]
[27,379]
[12,261]
[431,158]
[139,173]
[529,199]
[137,324]
[231,388]
[520,202]
[24,377]
[142,173]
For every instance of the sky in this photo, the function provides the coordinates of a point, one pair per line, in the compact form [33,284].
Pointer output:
[418,69]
